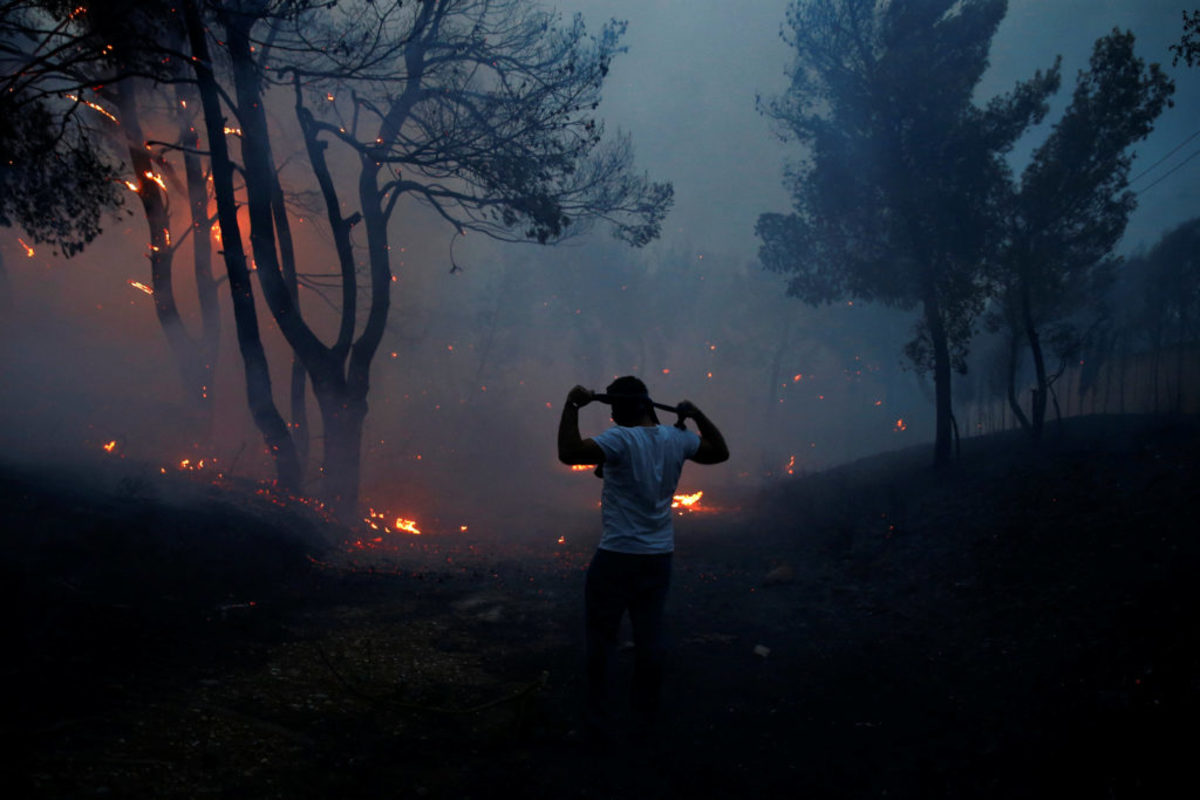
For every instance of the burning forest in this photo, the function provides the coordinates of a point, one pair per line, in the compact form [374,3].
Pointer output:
[293,295]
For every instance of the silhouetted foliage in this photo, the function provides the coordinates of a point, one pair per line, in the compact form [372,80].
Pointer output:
[895,199]
[1071,208]
[1187,49]
[55,182]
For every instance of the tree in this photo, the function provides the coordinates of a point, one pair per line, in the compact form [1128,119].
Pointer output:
[478,108]
[1072,206]
[894,200]
[55,183]
[1187,49]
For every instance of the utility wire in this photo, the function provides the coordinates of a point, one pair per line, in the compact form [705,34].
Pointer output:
[1150,168]
[1168,173]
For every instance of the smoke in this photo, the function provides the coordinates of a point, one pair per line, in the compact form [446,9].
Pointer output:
[468,385]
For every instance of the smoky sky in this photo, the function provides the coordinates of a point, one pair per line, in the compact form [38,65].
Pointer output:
[686,91]
[470,378]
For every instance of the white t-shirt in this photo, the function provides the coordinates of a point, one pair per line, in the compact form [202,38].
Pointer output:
[641,470]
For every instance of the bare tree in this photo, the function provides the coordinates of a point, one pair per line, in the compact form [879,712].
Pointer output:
[479,108]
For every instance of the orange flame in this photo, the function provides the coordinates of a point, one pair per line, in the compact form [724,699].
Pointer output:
[376,520]
[407,525]
[901,425]
[28,249]
[157,179]
[110,446]
[582,467]
[133,187]
[141,287]
[94,106]
[686,500]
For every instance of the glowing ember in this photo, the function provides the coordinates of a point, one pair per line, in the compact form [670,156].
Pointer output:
[376,520]
[791,466]
[562,540]
[141,287]
[582,467]
[686,501]
[93,106]
[901,425]
[110,446]
[233,131]
[157,179]
[133,187]
[28,249]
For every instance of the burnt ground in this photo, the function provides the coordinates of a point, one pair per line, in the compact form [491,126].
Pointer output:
[1024,625]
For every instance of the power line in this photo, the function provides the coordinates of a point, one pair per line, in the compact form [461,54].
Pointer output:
[1169,173]
[1150,168]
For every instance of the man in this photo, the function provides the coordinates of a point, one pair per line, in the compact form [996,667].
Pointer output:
[640,462]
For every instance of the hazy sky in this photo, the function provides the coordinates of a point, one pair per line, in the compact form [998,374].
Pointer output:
[686,91]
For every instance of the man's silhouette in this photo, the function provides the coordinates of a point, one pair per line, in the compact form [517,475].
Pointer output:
[640,461]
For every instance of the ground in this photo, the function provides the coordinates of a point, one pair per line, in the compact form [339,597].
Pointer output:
[1024,624]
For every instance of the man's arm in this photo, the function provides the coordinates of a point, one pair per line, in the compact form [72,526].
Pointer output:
[713,449]
[572,449]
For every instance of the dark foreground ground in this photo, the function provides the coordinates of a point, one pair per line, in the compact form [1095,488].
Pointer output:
[1019,627]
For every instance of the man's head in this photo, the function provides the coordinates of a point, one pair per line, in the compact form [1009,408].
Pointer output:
[631,403]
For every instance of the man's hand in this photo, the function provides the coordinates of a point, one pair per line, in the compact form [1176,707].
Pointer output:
[572,449]
[580,396]
[686,409]
[712,448]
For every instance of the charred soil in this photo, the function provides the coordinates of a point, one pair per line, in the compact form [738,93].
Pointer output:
[1025,624]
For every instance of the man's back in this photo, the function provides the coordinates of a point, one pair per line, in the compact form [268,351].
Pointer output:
[642,464]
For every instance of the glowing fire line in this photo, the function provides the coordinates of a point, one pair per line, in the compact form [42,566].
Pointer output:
[94,106]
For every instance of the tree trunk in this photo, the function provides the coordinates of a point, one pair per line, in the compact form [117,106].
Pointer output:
[190,358]
[1014,349]
[1038,409]
[299,380]
[342,420]
[254,358]
[206,286]
[941,381]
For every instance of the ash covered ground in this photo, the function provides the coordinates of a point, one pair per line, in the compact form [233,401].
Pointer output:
[1025,625]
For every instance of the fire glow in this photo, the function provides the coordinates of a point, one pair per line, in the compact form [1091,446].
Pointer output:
[157,179]
[94,106]
[28,249]
[376,520]
[687,502]
[141,287]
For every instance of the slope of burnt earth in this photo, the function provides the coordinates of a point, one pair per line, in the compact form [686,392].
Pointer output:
[1025,625]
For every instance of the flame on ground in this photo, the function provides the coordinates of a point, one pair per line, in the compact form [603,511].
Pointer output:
[28,249]
[582,467]
[686,501]
[376,520]
[141,287]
